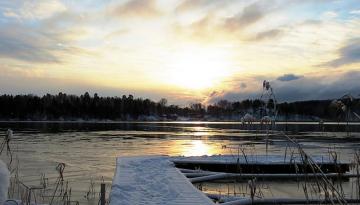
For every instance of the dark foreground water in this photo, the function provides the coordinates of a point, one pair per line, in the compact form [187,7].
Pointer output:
[89,150]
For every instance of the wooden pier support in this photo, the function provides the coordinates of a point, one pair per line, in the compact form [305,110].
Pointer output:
[276,201]
[220,176]
[204,177]
[235,200]
[102,194]
[224,167]
[268,168]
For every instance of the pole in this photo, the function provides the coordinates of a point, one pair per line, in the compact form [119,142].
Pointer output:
[102,194]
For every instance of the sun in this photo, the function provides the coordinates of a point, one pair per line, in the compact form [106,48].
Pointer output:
[198,68]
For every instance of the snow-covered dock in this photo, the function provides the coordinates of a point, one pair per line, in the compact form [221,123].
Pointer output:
[159,179]
[153,180]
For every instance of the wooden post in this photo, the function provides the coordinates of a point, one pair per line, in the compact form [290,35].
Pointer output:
[102,194]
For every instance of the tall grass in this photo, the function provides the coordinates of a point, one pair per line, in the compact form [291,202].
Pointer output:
[41,189]
[318,186]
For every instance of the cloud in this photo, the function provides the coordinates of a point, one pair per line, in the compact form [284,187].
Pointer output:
[216,27]
[355,12]
[305,88]
[230,96]
[23,43]
[241,88]
[289,77]
[270,34]
[44,32]
[329,15]
[250,15]
[117,33]
[320,87]
[349,54]
[213,93]
[39,44]
[189,5]
[192,4]
[212,27]
[137,8]
[202,28]
[243,85]
[33,10]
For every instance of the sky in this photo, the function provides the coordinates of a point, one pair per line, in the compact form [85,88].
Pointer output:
[183,50]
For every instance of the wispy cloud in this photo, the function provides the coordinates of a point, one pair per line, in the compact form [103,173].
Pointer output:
[268,35]
[25,44]
[304,88]
[33,10]
[289,77]
[348,54]
[190,5]
[234,25]
[250,15]
[355,12]
[137,8]
[45,43]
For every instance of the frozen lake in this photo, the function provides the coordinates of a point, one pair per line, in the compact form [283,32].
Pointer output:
[89,150]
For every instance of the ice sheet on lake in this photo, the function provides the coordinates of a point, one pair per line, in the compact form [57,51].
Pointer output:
[152,180]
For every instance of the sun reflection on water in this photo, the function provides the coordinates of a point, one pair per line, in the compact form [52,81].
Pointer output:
[197,148]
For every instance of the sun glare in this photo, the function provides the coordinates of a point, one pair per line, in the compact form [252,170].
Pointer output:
[198,68]
[197,148]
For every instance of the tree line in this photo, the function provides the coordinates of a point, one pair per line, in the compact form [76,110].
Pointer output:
[87,107]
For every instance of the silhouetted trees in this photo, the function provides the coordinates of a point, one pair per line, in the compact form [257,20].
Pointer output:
[72,107]
[87,107]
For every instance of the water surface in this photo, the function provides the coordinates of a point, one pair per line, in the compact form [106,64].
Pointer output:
[89,150]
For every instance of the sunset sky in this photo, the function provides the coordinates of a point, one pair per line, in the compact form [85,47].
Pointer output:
[186,51]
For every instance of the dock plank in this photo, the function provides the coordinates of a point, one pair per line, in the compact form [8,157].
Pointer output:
[275,164]
[152,180]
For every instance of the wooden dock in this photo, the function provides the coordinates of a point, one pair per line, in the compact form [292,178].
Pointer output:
[153,180]
[260,164]
[163,179]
